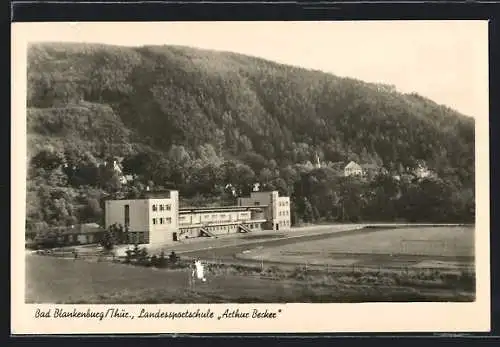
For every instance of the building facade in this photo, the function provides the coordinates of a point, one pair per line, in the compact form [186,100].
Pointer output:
[276,208]
[156,217]
[212,222]
[353,169]
[150,219]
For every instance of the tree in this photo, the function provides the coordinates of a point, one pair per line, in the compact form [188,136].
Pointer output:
[142,256]
[265,176]
[175,114]
[48,158]
[173,258]
[107,241]
[92,211]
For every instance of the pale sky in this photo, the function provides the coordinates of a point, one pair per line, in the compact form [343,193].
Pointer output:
[446,61]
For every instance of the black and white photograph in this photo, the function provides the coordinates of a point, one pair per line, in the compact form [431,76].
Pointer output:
[241,163]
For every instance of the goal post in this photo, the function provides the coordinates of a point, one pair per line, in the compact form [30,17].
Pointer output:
[423,247]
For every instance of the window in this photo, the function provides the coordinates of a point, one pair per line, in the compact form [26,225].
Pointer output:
[154,220]
[168,220]
[154,207]
[256,203]
[168,207]
[127,215]
[161,220]
[161,207]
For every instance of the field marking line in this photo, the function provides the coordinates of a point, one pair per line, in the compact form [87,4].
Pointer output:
[357,227]
[268,240]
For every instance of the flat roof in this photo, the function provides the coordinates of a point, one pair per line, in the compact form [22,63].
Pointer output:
[220,208]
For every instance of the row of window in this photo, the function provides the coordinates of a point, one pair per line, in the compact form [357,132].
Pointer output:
[284,213]
[162,220]
[215,218]
[162,207]
[283,203]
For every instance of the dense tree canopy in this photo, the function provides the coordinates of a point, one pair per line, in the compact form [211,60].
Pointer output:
[202,121]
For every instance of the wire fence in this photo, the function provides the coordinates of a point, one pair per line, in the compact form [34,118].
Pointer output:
[262,268]
[312,277]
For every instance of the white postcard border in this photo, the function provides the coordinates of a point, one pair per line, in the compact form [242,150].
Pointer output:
[294,318]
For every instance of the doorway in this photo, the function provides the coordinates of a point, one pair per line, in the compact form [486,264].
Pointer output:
[277,226]
[174,236]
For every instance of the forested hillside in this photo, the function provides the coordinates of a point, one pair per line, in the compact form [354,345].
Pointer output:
[198,120]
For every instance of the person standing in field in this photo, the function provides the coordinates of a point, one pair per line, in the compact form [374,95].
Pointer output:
[199,271]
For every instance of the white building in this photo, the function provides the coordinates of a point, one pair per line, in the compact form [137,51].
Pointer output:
[151,219]
[353,169]
[156,217]
[215,221]
[276,208]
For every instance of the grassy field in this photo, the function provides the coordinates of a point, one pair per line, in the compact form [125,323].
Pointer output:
[278,279]
[55,280]
[441,244]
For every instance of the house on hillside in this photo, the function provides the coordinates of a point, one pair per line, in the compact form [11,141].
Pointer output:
[422,172]
[364,170]
[116,165]
[353,169]
[231,189]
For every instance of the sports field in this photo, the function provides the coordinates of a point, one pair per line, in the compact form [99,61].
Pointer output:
[431,246]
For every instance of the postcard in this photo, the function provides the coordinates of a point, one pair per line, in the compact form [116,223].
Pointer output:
[250,177]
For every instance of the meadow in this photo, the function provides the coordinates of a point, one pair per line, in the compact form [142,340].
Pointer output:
[65,281]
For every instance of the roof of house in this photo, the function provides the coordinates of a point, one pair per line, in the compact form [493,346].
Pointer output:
[353,165]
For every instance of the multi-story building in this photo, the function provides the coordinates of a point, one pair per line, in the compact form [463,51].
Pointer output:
[151,219]
[156,217]
[276,208]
